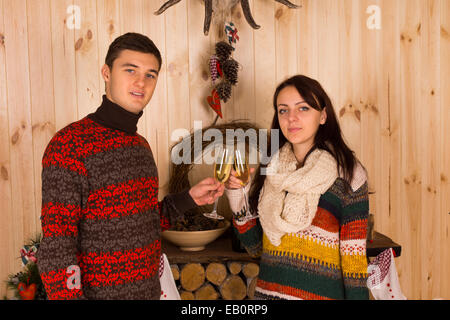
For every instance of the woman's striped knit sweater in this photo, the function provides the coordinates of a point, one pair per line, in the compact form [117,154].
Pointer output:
[100,210]
[325,261]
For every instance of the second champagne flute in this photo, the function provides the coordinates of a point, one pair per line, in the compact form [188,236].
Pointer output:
[242,169]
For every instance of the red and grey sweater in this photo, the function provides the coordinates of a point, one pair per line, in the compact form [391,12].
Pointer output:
[101,218]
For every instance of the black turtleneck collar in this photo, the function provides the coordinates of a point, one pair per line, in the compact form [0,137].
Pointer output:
[113,116]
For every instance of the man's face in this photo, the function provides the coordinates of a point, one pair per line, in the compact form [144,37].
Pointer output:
[132,80]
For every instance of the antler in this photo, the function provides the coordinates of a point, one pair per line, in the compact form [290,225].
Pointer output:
[248,15]
[288,4]
[208,14]
[209,9]
[166,6]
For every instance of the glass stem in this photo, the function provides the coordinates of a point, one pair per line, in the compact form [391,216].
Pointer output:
[215,205]
[245,199]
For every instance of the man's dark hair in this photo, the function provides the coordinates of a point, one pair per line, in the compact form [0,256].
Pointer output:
[131,41]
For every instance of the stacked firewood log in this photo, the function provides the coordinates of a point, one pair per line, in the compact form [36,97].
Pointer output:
[232,280]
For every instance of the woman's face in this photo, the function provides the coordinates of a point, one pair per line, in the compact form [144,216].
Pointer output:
[299,122]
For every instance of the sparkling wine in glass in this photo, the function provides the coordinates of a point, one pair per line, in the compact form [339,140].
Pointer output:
[242,169]
[222,170]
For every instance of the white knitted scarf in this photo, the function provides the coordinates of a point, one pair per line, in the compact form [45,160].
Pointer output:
[289,199]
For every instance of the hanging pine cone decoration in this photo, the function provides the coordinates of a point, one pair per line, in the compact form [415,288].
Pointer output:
[224,90]
[230,70]
[223,50]
[213,68]
[222,65]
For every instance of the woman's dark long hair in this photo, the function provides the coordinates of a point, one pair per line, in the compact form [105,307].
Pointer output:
[328,136]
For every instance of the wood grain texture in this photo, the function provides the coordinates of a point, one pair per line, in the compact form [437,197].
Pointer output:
[23,206]
[41,92]
[86,59]
[265,71]
[63,63]
[445,142]
[429,32]
[410,265]
[244,92]
[192,276]
[7,232]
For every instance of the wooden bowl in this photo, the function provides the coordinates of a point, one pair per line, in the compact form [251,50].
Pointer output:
[194,240]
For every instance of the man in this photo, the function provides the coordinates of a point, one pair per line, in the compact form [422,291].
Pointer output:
[101,219]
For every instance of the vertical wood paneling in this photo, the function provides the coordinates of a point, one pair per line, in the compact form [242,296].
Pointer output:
[41,90]
[387,216]
[350,56]
[307,41]
[131,17]
[328,40]
[86,59]
[177,70]
[390,88]
[244,92]
[372,110]
[177,57]
[108,26]
[264,52]
[429,33]
[411,198]
[64,74]
[445,142]
[390,221]
[7,231]
[23,207]
[285,42]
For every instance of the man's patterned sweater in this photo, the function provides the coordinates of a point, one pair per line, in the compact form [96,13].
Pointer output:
[101,219]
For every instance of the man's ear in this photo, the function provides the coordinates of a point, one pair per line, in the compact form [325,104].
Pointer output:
[106,73]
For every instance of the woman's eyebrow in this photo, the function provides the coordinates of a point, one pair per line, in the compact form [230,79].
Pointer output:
[285,105]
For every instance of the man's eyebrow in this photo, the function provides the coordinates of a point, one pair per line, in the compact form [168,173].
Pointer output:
[129,65]
[135,66]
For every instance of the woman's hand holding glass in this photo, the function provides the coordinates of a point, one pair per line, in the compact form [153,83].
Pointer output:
[240,177]
[234,182]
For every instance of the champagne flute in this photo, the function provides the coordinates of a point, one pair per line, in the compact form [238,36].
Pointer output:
[222,170]
[242,169]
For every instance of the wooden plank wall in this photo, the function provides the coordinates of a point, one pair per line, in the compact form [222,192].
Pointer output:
[390,88]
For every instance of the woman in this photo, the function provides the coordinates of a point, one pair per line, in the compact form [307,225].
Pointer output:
[312,204]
